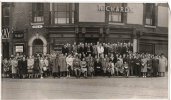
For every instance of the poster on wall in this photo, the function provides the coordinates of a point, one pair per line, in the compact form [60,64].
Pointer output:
[19,48]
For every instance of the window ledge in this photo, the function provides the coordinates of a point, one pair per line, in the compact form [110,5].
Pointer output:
[117,23]
[149,26]
[35,23]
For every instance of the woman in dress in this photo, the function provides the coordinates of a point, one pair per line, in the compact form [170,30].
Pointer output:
[118,67]
[69,61]
[90,65]
[144,66]
[5,69]
[14,64]
[62,65]
[98,67]
[105,62]
[36,68]
[110,68]
[41,65]
[155,64]
[83,65]
[24,67]
[20,62]
[162,65]
[30,64]
[126,69]
[76,65]
[46,66]
[55,65]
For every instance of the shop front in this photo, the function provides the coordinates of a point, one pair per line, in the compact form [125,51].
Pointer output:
[37,44]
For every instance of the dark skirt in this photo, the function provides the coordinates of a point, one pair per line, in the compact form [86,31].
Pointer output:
[23,70]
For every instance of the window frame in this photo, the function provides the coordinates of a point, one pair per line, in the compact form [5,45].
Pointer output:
[35,12]
[153,17]
[70,13]
[122,15]
[4,17]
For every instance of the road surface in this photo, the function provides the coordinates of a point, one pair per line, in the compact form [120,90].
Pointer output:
[96,88]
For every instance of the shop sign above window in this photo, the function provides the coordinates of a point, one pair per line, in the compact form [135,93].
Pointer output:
[5,33]
[18,34]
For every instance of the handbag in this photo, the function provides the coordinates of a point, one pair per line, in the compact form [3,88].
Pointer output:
[44,68]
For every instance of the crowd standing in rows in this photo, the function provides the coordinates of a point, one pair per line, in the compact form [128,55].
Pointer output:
[87,60]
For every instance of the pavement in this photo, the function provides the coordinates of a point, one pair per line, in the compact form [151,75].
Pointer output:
[91,88]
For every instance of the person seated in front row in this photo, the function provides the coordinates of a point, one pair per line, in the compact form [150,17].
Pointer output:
[77,69]
[83,65]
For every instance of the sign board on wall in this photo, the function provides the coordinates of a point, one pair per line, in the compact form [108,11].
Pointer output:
[91,14]
[37,26]
[18,34]
[5,33]
[19,48]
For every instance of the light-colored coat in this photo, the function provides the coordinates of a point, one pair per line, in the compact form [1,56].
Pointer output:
[144,65]
[14,64]
[162,64]
[30,63]
[62,63]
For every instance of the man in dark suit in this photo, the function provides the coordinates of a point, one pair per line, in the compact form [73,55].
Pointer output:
[137,66]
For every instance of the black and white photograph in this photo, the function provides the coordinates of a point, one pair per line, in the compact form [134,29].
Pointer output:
[77,50]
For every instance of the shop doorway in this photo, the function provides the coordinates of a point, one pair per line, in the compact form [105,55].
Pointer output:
[5,49]
[37,46]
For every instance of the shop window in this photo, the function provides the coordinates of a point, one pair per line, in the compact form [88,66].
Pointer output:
[116,17]
[37,12]
[6,16]
[150,14]
[63,13]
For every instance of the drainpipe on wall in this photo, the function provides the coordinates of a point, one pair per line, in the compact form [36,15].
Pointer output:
[135,42]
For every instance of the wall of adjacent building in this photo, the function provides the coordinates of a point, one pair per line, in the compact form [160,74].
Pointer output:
[136,14]
[88,12]
[21,19]
[163,16]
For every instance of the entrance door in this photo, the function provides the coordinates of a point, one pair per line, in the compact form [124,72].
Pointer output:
[5,50]
[37,46]
[91,40]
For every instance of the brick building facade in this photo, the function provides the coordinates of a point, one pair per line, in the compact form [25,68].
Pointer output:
[45,27]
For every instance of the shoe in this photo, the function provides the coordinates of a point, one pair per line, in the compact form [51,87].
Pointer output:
[41,77]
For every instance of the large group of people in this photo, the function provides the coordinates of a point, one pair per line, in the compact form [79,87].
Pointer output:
[86,60]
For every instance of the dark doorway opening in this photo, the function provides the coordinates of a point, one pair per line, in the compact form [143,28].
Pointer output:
[91,40]
[37,46]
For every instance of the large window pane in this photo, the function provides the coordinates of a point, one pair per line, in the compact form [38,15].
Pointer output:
[5,21]
[37,12]
[5,16]
[62,8]
[150,14]
[6,11]
[115,16]
[63,13]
